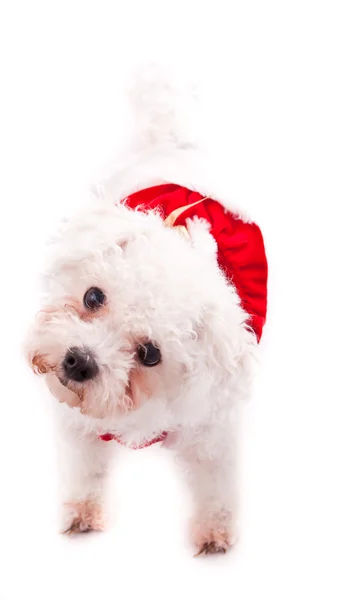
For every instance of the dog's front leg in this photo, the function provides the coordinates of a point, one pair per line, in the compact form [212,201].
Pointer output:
[210,464]
[84,465]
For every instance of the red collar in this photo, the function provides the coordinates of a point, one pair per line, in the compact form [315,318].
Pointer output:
[241,252]
[108,437]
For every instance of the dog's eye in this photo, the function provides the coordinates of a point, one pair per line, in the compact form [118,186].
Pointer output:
[149,355]
[94,298]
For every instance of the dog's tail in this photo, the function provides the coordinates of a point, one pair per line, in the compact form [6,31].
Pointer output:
[163,109]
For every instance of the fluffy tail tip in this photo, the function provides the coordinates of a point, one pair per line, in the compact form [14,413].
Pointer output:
[163,106]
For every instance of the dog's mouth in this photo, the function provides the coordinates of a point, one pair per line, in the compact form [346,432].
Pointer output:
[85,397]
[63,380]
[78,389]
[92,396]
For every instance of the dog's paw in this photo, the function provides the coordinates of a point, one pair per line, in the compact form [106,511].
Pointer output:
[82,517]
[212,538]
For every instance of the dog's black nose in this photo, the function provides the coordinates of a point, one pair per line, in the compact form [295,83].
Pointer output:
[79,365]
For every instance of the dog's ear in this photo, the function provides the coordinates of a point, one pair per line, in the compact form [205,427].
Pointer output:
[229,346]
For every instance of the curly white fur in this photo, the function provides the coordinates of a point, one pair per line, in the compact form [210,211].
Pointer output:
[161,287]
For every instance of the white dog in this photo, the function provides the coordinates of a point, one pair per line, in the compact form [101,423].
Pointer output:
[156,301]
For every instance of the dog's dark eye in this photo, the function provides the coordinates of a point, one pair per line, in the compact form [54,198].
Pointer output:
[94,298]
[149,355]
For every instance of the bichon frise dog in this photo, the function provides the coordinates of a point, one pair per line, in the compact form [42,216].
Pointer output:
[156,303]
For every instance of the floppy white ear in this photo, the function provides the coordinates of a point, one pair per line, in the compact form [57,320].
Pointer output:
[230,346]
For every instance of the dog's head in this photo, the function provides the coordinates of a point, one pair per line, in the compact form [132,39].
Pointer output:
[133,311]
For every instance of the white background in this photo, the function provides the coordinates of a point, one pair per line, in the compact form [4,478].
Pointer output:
[284,86]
